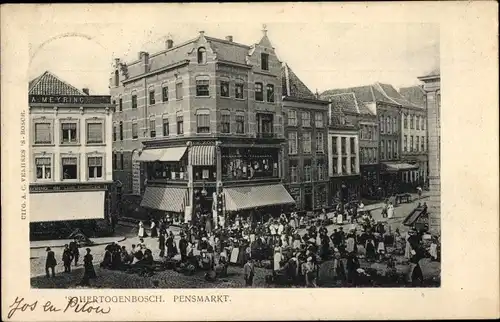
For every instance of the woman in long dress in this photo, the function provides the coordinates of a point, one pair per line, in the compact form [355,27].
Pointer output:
[154,230]
[141,229]
[390,211]
[89,271]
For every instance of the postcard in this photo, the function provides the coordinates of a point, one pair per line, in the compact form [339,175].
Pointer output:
[249,161]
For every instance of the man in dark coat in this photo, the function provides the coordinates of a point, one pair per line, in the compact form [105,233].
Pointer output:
[50,262]
[183,248]
[73,247]
[66,258]
[161,243]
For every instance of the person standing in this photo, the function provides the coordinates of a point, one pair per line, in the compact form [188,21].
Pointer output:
[89,271]
[154,229]
[66,258]
[50,262]
[141,229]
[310,273]
[183,244]
[249,272]
[161,244]
[75,251]
[390,211]
[419,191]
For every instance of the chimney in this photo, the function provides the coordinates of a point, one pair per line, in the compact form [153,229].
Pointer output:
[169,43]
[202,33]
[117,62]
[144,57]
[229,38]
[86,91]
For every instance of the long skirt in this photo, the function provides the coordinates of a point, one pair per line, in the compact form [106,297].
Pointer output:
[141,232]
[154,232]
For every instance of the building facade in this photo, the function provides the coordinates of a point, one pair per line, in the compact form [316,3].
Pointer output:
[305,173]
[432,87]
[200,124]
[70,152]
[343,157]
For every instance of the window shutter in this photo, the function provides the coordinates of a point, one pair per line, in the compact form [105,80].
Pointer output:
[94,132]
[42,133]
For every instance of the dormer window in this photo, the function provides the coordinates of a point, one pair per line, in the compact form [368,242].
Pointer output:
[264,61]
[202,55]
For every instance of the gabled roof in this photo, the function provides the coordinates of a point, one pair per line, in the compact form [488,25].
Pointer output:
[414,94]
[50,84]
[293,86]
[338,119]
[229,51]
[390,92]
[346,102]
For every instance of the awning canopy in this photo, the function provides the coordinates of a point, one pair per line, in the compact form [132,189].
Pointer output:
[164,198]
[394,167]
[202,155]
[55,206]
[240,198]
[165,155]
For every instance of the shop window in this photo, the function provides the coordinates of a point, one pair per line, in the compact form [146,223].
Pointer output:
[69,168]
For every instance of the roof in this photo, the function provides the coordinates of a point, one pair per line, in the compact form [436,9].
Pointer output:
[229,51]
[363,93]
[293,86]
[391,93]
[50,84]
[414,94]
[363,109]
[346,102]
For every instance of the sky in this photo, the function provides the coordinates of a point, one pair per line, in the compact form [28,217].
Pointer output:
[323,54]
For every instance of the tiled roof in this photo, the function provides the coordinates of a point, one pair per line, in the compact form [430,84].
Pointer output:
[414,94]
[346,102]
[229,51]
[293,86]
[338,118]
[363,93]
[390,92]
[50,84]
[363,109]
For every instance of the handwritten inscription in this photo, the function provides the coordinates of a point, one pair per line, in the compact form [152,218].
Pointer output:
[73,305]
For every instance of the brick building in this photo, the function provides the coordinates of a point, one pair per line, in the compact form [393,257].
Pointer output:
[201,122]
[306,127]
[359,114]
[432,87]
[70,155]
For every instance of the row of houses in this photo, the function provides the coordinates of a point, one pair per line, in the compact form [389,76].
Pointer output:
[212,124]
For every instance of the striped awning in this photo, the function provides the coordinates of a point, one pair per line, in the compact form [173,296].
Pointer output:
[240,198]
[166,155]
[150,155]
[202,155]
[165,198]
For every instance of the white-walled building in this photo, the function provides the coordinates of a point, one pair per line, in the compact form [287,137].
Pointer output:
[70,153]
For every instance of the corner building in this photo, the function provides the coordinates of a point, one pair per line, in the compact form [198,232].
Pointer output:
[198,129]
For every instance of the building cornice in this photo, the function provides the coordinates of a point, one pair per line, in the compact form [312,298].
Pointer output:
[157,71]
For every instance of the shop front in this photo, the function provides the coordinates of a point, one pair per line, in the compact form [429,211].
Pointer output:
[249,163]
[344,188]
[369,181]
[399,177]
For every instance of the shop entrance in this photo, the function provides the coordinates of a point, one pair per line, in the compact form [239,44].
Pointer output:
[308,201]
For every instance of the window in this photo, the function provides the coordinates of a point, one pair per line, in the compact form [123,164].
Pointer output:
[334,144]
[362,130]
[353,165]
[117,78]
[258,92]
[270,93]
[394,125]
[382,150]
[417,145]
[225,122]
[395,149]
[265,124]
[307,171]
[411,143]
[43,133]
[389,149]
[164,93]
[381,124]
[318,120]
[423,123]
[43,168]
[343,147]
[422,144]
[388,125]
[69,133]
[151,97]
[353,146]
[94,167]
[405,143]
[202,87]
[292,118]
[405,121]
[178,91]
[203,121]
[335,161]
[320,168]
[121,131]
[344,165]
[94,133]
[264,61]
[240,122]
[115,135]
[120,104]
[134,101]
[224,88]
[417,121]
[180,124]
[306,142]
[294,177]
[122,161]
[202,55]
[292,142]
[69,168]
[238,91]
[115,161]
[152,127]
[319,142]
[411,121]
[165,126]
[306,119]
[134,130]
